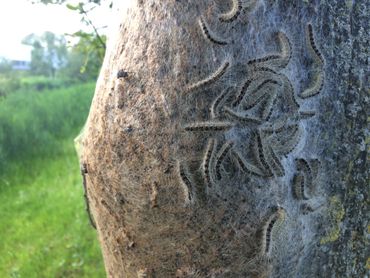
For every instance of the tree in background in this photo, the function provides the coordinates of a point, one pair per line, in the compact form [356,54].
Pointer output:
[49,53]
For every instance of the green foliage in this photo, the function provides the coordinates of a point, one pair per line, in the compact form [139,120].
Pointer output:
[44,228]
[49,52]
[41,83]
[31,122]
[9,81]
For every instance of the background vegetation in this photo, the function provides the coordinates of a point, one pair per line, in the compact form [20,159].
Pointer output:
[44,227]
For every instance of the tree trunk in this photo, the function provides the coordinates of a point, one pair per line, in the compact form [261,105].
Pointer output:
[227,139]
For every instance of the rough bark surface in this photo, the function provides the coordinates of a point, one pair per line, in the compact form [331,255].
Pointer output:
[228,139]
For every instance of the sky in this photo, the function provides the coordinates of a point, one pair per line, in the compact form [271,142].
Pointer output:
[19,18]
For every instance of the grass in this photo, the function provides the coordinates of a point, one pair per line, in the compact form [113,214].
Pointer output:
[44,229]
[32,123]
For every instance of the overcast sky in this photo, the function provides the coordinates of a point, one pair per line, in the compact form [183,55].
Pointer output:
[19,18]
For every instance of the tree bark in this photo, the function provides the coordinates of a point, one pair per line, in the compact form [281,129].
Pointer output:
[228,139]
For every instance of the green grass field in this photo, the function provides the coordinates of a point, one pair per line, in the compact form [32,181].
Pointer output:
[44,228]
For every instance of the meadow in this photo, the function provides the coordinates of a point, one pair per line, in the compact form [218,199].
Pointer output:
[44,228]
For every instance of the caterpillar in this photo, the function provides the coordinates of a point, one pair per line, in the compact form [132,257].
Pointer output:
[312,45]
[285,49]
[265,69]
[276,127]
[240,117]
[212,78]
[268,106]
[208,34]
[207,160]
[215,107]
[288,92]
[304,166]
[274,162]
[269,230]
[306,114]
[233,14]
[260,156]
[291,141]
[263,59]
[221,156]
[209,126]
[299,187]
[316,87]
[247,167]
[278,60]
[84,171]
[258,93]
[242,92]
[185,181]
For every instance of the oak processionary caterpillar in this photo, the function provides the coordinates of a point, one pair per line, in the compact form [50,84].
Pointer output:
[237,7]
[212,78]
[185,181]
[240,117]
[247,167]
[269,229]
[279,60]
[315,89]
[208,34]
[209,126]
[299,187]
[206,165]
[312,45]
[216,103]
[221,156]
[84,171]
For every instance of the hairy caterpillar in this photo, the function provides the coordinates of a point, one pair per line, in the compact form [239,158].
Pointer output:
[240,117]
[304,166]
[291,142]
[299,187]
[259,92]
[209,126]
[207,160]
[84,171]
[215,107]
[245,166]
[212,78]
[278,60]
[269,230]
[221,156]
[306,114]
[268,106]
[260,156]
[312,45]
[208,34]
[233,14]
[263,59]
[315,88]
[265,69]
[274,162]
[288,92]
[185,181]
[275,127]
[285,49]
[242,92]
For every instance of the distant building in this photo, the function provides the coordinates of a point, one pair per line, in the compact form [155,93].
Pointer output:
[19,56]
[21,65]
